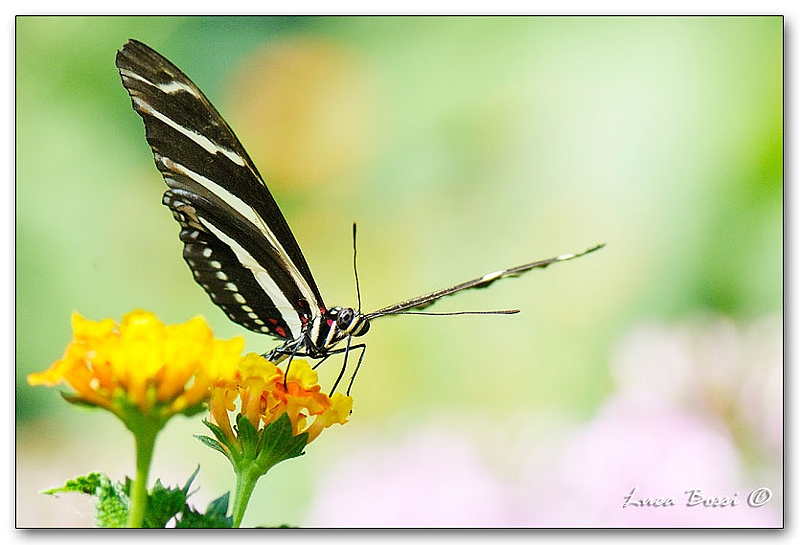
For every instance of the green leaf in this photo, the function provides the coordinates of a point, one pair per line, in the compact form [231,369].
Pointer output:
[112,499]
[85,484]
[112,506]
[220,505]
[163,504]
[214,517]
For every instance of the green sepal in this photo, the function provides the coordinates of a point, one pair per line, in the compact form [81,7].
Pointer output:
[277,443]
[217,431]
[262,449]
[211,443]
[248,437]
[221,443]
[194,409]
[78,401]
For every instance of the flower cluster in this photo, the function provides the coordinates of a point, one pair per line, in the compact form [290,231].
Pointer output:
[145,372]
[143,365]
[265,416]
[262,393]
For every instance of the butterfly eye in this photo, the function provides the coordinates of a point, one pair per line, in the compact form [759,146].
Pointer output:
[344,318]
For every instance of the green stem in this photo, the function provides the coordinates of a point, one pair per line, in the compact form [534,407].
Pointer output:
[145,444]
[246,479]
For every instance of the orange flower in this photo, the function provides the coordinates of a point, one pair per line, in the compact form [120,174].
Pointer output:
[142,364]
[278,415]
[263,397]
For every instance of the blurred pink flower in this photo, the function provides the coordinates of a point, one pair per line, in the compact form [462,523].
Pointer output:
[711,366]
[431,479]
[691,398]
[657,451]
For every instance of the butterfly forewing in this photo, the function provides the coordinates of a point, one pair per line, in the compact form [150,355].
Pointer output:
[237,242]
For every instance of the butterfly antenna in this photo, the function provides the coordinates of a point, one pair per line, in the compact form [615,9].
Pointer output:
[461,312]
[355,269]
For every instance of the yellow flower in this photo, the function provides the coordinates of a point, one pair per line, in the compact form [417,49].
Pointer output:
[142,364]
[263,396]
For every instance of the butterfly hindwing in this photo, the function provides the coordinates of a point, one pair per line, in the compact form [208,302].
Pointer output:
[232,287]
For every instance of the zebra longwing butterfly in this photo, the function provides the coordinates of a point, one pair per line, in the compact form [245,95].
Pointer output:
[236,241]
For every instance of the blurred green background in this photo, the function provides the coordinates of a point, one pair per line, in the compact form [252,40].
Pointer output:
[460,145]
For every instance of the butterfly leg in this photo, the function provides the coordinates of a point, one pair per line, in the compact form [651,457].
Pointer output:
[346,351]
[320,362]
[363,348]
[284,353]
[344,365]
[279,353]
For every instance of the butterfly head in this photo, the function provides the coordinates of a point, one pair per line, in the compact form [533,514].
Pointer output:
[349,321]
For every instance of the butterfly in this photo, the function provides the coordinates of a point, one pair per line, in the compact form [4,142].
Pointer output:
[237,242]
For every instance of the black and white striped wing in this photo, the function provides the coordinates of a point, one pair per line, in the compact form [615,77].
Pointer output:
[236,240]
